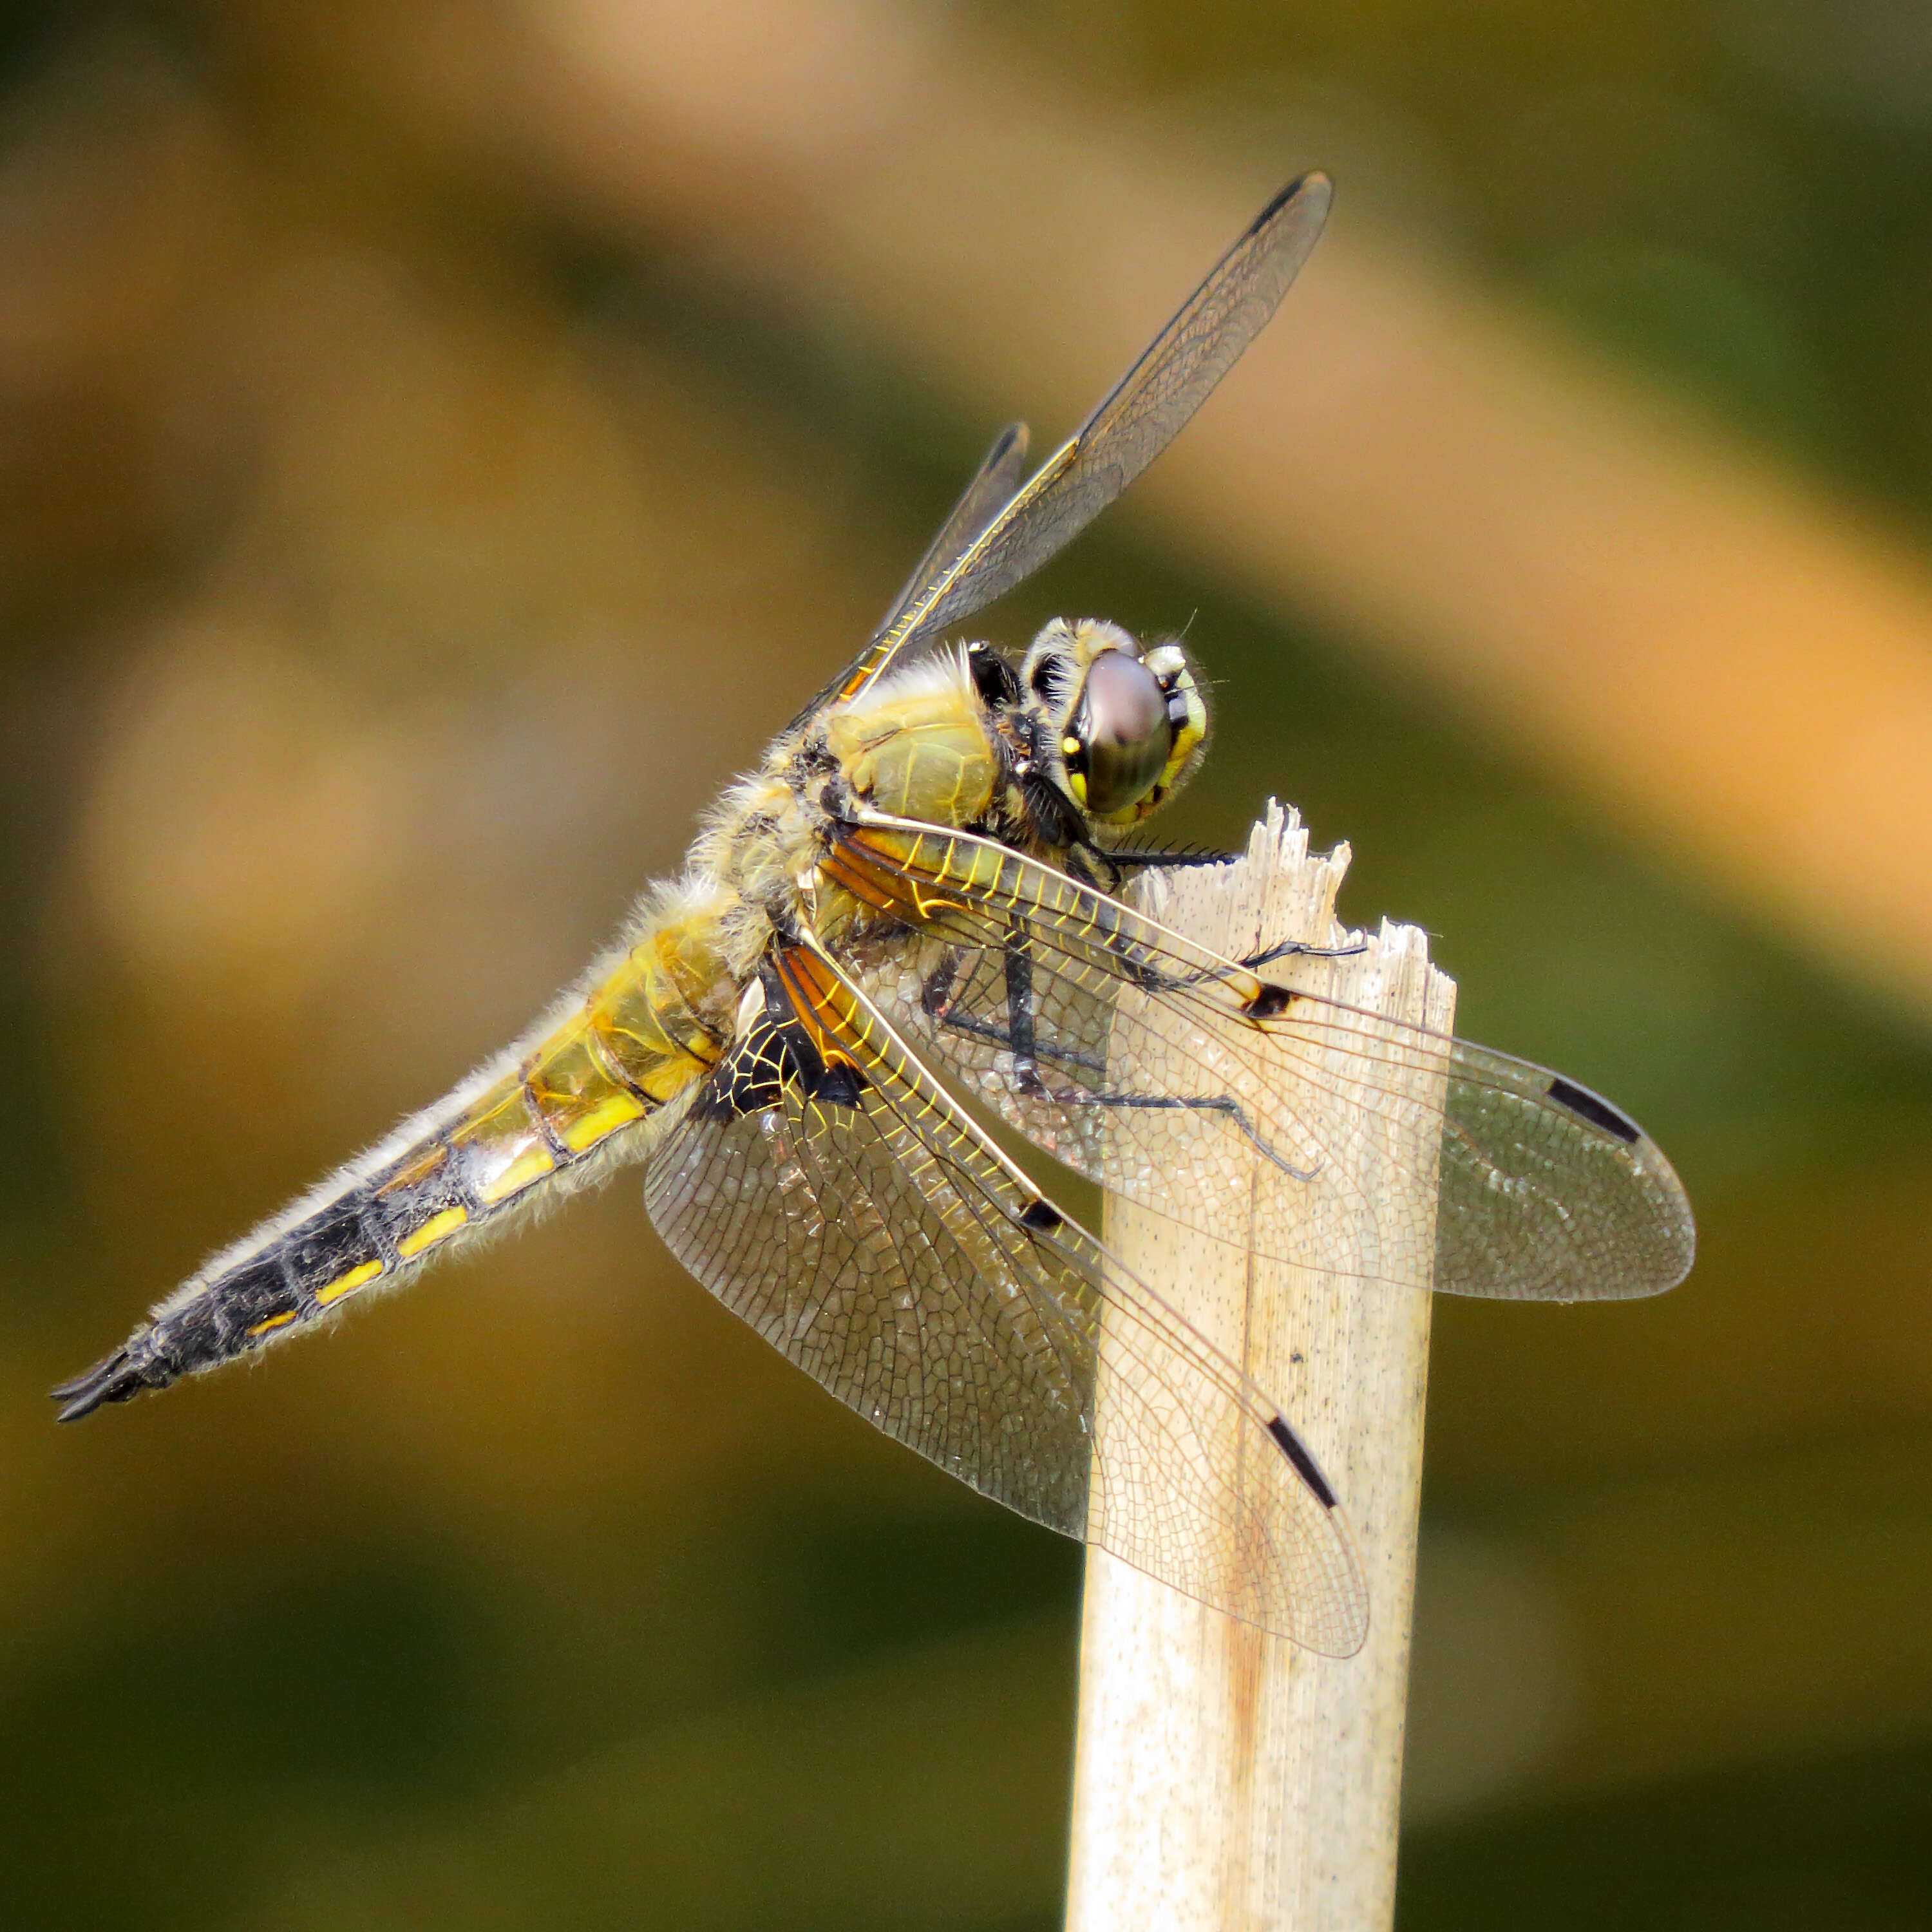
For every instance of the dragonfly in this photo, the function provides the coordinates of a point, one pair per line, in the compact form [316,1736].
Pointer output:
[921,917]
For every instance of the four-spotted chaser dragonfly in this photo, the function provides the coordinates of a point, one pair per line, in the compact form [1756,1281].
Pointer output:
[923,892]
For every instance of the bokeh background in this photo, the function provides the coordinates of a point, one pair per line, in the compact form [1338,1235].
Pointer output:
[437,444]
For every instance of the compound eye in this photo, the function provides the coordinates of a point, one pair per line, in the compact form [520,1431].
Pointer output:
[1121,734]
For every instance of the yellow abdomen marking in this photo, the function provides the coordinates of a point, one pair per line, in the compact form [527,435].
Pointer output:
[431,1231]
[640,1024]
[502,1148]
[634,1044]
[347,1284]
[575,1094]
[530,1165]
[619,1111]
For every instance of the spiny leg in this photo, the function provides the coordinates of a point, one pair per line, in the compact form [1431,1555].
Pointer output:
[1210,1103]
[1123,862]
[1123,859]
[936,999]
[1136,966]
[1302,949]
[1022,1033]
[1252,962]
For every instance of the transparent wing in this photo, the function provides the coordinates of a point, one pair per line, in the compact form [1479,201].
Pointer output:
[989,492]
[1241,1106]
[867,1228]
[1138,418]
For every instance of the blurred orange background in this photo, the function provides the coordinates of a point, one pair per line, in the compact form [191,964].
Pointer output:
[438,446]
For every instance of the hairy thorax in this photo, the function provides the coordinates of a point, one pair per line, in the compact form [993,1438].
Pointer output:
[917,746]
[920,750]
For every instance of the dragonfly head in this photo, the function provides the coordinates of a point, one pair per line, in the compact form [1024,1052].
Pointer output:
[1127,725]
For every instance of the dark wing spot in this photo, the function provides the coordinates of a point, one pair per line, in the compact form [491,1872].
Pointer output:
[1270,1003]
[1306,1466]
[1041,1215]
[1593,1108]
[717,1100]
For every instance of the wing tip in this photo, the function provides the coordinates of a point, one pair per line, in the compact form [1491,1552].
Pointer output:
[1342,1644]
[1341,1619]
[1315,189]
[1686,1257]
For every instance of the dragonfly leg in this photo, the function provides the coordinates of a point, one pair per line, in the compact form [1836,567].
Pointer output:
[1021,1034]
[1209,975]
[936,999]
[1224,1104]
[1128,858]
[1301,949]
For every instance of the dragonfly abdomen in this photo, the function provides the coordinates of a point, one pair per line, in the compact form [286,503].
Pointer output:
[558,1111]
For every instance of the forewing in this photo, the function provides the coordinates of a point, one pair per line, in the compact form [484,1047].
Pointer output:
[1137,419]
[1243,1106]
[991,489]
[882,1243]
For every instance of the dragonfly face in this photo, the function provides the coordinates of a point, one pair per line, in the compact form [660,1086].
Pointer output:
[919,895]
[1127,728]
[1087,737]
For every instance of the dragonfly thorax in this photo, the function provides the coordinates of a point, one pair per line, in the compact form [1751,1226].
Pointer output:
[922,745]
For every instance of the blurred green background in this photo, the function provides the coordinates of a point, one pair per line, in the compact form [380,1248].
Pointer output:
[397,548]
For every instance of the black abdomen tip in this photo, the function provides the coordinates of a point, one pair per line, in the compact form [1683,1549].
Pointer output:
[118,1379]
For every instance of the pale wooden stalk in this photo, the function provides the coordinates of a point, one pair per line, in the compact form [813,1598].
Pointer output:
[1225,1779]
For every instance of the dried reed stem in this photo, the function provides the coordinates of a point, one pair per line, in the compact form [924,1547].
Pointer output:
[1223,1778]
